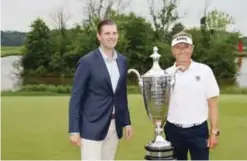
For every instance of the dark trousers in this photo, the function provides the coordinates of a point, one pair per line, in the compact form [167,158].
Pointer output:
[184,140]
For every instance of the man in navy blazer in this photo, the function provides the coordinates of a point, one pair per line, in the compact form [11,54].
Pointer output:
[98,107]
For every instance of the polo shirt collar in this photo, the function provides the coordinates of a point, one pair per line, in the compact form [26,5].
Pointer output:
[190,66]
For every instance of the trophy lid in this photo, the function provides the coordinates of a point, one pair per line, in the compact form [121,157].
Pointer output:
[156,70]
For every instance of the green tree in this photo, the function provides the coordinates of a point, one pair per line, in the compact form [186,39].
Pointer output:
[220,56]
[38,49]
[218,20]
[61,42]
[175,29]
[164,17]
[135,39]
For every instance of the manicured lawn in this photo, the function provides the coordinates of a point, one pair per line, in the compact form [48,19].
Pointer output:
[10,50]
[35,128]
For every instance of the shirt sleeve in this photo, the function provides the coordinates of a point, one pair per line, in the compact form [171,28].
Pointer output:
[212,87]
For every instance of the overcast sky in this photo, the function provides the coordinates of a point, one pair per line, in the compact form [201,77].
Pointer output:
[18,14]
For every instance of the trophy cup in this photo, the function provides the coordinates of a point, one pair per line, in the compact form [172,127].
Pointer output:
[156,88]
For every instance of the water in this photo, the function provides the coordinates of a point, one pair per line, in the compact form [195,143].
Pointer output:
[9,80]
[242,75]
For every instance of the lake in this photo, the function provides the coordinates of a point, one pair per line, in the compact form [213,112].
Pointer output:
[242,75]
[9,81]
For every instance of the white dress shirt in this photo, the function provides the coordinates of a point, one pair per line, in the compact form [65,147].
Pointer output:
[113,70]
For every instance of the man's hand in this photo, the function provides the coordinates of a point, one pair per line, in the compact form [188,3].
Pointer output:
[75,139]
[212,141]
[128,132]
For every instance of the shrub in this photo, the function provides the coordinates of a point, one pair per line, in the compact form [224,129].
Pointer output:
[66,89]
[234,90]
[46,88]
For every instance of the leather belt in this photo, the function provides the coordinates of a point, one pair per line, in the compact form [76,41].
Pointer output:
[113,116]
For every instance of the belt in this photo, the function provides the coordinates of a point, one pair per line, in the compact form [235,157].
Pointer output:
[113,116]
[186,125]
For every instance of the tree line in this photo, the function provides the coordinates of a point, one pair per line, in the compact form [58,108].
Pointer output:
[12,38]
[54,53]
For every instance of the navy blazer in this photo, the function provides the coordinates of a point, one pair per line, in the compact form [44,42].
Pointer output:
[92,98]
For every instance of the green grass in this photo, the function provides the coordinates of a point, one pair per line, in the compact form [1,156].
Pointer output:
[35,128]
[10,50]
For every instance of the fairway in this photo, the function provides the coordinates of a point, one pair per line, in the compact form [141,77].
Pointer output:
[10,50]
[35,128]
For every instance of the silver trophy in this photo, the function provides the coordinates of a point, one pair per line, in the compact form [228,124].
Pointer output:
[156,87]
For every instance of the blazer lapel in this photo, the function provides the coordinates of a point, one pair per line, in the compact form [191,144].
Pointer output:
[121,70]
[104,70]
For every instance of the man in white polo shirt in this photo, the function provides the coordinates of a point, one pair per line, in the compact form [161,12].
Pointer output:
[194,98]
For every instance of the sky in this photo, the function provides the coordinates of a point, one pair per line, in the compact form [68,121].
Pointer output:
[19,14]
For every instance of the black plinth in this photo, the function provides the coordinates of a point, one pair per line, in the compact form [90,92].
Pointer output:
[155,153]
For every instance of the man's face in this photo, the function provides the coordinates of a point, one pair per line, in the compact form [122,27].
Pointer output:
[182,52]
[108,36]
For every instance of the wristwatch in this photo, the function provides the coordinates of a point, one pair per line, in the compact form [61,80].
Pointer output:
[215,132]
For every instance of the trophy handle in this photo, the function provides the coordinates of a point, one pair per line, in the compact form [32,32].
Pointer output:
[138,77]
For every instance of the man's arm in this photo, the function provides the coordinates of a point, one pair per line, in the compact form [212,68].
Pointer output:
[212,94]
[127,121]
[78,90]
[127,115]
[213,113]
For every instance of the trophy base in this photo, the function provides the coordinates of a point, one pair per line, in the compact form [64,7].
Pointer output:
[159,152]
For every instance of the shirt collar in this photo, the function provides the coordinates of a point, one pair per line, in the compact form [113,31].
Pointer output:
[105,57]
[190,66]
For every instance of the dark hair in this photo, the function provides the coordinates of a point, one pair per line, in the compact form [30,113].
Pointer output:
[103,23]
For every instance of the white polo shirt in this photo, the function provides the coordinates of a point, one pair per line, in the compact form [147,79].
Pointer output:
[188,104]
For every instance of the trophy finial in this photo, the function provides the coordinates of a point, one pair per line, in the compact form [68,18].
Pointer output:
[155,56]
[155,49]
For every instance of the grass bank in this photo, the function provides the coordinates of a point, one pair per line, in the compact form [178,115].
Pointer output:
[10,50]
